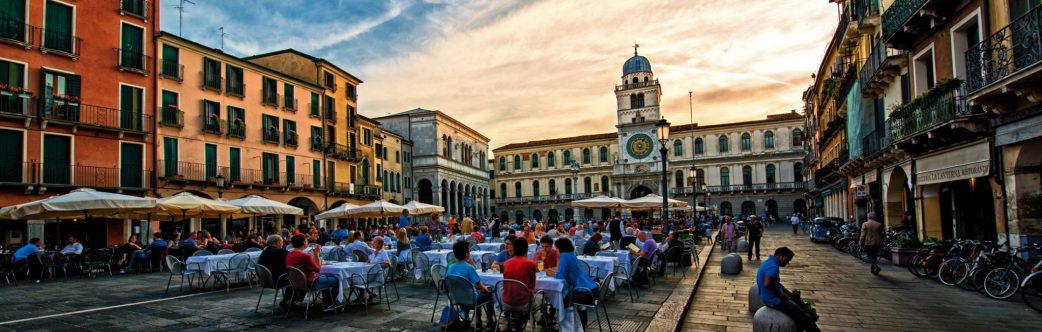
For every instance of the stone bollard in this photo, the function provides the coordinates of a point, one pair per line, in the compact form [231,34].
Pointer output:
[743,246]
[755,303]
[771,320]
[731,264]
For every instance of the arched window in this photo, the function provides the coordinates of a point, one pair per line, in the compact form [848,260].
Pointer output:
[747,175]
[635,80]
[551,161]
[725,209]
[768,140]
[640,100]
[797,172]
[723,144]
[502,190]
[567,186]
[517,163]
[748,208]
[678,148]
[678,178]
[602,154]
[633,98]
[502,163]
[770,173]
[535,160]
[553,187]
[517,189]
[797,137]
[700,177]
[747,142]
[604,183]
[725,176]
[535,188]
[587,185]
[566,158]
[699,146]
[586,156]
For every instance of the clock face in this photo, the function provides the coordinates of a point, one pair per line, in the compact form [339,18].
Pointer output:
[639,146]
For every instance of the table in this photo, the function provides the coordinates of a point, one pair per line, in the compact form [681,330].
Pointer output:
[343,271]
[623,257]
[553,293]
[207,264]
[601,265]
[439,257]
[497,247]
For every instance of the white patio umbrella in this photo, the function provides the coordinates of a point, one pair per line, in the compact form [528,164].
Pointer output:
[599,202]
[417,208]
[254,205]
[651,202]
[379,208]
[81,203]
[337,212]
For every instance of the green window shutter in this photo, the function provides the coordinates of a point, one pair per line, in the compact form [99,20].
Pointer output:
[291,170]
[72,85]
[15,11]
[11,167]
[234,165]
[130,165]
[58,28]
[130,107]
[314,104]
[288,92]
[12,74]
[57,161]
[211,161]
[316,174]
[171,54]
[170,157]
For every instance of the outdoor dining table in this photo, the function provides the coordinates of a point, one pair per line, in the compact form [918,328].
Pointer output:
[439,256]
[623,257]
[497,247]
[207,264]
[553,292]
[601,265]
[343,271]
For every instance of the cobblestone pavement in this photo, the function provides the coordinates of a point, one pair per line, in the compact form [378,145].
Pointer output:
[206,311]
[848,298]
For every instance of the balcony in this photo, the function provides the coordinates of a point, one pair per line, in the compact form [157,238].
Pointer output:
[237,129]
[212,124]
[211,82]
[289,104]
[18,173]
[546,199]
[14,104]
[936,107]
[290,139]
[875,142]
[271,135]
[316,143]
[330,115]
[884,65]
[65,175]
[68,110]
[171,116]
[343,152]
[636,85]
[61,43]
[136,8]
[236,88]
[169,68]
[16,32]
[905,21]
[269,99]
[829,171]
[130,60]
[755,188]
[1007,61]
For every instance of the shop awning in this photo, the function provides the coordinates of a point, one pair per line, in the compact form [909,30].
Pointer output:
[964,162]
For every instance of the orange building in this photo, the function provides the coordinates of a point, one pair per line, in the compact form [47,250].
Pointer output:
[75,79]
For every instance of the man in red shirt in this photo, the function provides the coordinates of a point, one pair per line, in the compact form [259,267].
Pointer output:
[548,255]
[522,269]
[310,264]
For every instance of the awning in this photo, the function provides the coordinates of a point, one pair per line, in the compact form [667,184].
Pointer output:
[1019,131]
[964,162]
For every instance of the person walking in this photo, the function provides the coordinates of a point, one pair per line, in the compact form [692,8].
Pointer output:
[776,296]
[728,232]
[753,233]
[795,220]
[871,239]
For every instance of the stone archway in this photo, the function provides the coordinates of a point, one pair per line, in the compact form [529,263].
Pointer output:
[640,191]
[899,208]
[426,191]
[772,208]
[537,215]
[799,206]
[553,216]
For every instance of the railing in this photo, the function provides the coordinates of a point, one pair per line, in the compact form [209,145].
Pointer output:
[297,180]
[14,104]
[1007,51]
[171,116]
[61,43]
[341,151]
[236,88]
[369,190]
[68,111]
[289,104]
[271,135]
[269,99]
[290,139]
[14,172]
[132,60]
[17,32]
[331,86]
[212,81]
[938,105]
[237,129]
[898,13]
[874,142]
[549,198]
[212,125]
[330,115]
[636,85]
[828,172]
[755,187]
[171,69]
[136,8]
[879,56]
[61,174]
[240,176]
[841,28]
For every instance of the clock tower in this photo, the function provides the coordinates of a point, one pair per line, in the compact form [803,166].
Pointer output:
[637,112]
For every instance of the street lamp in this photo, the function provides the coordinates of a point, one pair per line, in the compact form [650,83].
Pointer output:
[693,176]
[708,199]
[220,185]
[662,129]
[575,185]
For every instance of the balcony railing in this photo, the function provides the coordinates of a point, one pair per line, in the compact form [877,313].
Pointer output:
[289,104]
[212,81]
[169,68]
[881,68]
[237,129]
[137,8]
[898,13]
[874,142]
[171,116]
[14,172]
[549,198]
[212,125]
[271,135]
[756,187]
[131,60]
[636,85]
[236,88]
[72,112]
[12,104]
[269,99]
[938,105]
[829,171]
[1007,51]
[60,42]
[15,31]
[61,174]
[290,139]
[330,115]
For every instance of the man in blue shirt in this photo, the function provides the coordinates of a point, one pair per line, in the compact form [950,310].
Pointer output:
[28,250]
[403,221]
[775,296]
[503,256]
[465,268]
[341,234]
[423,241]
[142,255]
[358,245]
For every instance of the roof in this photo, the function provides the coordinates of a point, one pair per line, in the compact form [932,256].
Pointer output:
[555,141]
[420,111]
[309,57]
[241,61]
[636,64]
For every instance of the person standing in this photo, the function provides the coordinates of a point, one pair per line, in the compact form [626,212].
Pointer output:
[795,220]
[776,296]
[615,230]
[871,239]
[728,232]
[494,228]
[754,231]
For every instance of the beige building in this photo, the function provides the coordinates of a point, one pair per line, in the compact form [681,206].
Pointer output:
[392,153]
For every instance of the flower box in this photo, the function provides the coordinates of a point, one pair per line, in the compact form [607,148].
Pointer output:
[6,93]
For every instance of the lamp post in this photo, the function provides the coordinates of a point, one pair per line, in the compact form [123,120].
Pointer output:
[693,176]
[707,198]
[662,129]
[220,185]
[575,186]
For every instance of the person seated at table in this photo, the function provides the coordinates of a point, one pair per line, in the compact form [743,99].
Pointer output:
[627,239]
[424,241]
[128,249]
[231,238]
[477,236]
[379,255]
[158,244]
[593,245]
[311,264]
[464,267]
[646,253]
[570,270]
[547,255]
[522,269]
[73,248]
[527,234]
[187,244]
[357,244]
[274,258]
[22,254]
[672,241]
[503,256]
[403,241]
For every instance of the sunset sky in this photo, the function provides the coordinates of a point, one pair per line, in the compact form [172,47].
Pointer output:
[522,70]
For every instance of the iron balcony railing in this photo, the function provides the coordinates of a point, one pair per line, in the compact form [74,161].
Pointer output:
[237,129]
[137,8]
[271,135]
[60,42]
[898,13]
[169,68]
[16,31]
[212,124]
[1007,51]
[874,142]
[269,98]
[212,81]
[549,198]
[755,187]
[343,152]
[62,110]
[132,60]
[14,104]
[171,116]
[841,29]
[876,60]
[236,88]
[938,105]
[636,85]
[63,174]
[16,172]
[316,143]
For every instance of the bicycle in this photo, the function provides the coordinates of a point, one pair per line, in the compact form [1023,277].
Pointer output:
[1031,287]
[926,263]
[1004,282]
[954,269]
[974,279]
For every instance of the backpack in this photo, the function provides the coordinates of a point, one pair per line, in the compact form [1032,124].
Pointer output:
[449,318]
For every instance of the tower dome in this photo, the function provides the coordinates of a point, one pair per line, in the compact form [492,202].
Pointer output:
[636,64]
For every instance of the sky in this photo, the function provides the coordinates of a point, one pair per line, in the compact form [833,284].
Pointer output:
[528,70]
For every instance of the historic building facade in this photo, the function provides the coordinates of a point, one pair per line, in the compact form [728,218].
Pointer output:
[753,167]
[449,160]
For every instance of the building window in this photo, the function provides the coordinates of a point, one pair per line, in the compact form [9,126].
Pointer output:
[13,17]
[502,190]
[271,128]
[725,209]
[678,148]
[502,163]
[170,165]
[797,137]
[723,144]
[550,159]
[211,74]
[604,183]
[58,26]
[236,122]
[923,75]
[535,160]
[517,189]
[586,156]
[289,132]
[367,137]
[535,188]
[270,168]
[747,175]
[770,173]
[678,178]
[637,100]
[699,146]
[603,154]
[567,186]
[797,172]
[131,107]
[170,63]
[235,81]
[553,187]
[725,176]
[289,101]
[314,105]
[587,185]
[700,177]
[517,163]
[768,140]
[234,165]
[567,158]
[747,143]
[132,49]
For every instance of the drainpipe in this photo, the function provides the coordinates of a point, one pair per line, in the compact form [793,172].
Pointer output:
[917,197]
[155,100]
[1000,162]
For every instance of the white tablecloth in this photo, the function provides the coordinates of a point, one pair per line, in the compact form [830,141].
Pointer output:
[439,257]
[497,247]
[553,292]
[343,271]
[207,264]
[602,265]
[623,257]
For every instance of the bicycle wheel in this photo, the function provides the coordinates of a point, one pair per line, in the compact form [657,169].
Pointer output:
[914,264]
[1001,284]
[966,282]
[1031,291]
[978,278]
[946,272]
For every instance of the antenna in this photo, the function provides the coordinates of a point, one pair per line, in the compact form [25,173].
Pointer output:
[181,14]
[223,34]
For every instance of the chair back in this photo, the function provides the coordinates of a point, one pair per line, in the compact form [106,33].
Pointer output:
[514,287]
[586,268]
[240,262]
[265,277]
[460,291]
[487,259]
[329,244]
[634,266]
[297,279]
[253,249]
[438,274]
[582,290]
[225,251]
[392,264]
[202,252]
[334,254]
[345,257]
[376,276]
[174,265]
[603,289]
[361,256]
[674,254]
[656,258]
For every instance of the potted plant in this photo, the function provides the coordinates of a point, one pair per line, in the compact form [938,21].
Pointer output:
[906,247]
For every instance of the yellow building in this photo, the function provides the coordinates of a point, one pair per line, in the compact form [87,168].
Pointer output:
[391,151]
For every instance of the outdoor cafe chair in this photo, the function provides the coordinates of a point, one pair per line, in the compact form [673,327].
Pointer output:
[336,254]
[437,272]
[691,250]
[238,265]
[202,252]
[463,296]
[267,281]
[629,277]
[299,283]
[421,264]
[177,268]
[45,262]
[99,260]
[526,308]
[7,268]
[598,300]
[585,267]
[392,274]
[375,279]
[360,256]
[329,244]
[225,251]
[675,255]
[253,249]
[487,259]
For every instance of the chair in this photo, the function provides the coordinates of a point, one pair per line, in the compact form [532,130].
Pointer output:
[329,244]
[334,254]
[437,272]
[299,283]
[238,265]
[421,263]
[463,295]
[598,299]
[629,277]
[392,274]
[675,255]
[525,308]
[375,279]
[658,259]
[177,268]
[7,268]
[253,249]
[360,256]
[202,252]
[225,252]
[487,259]
[97,261]
[583,265]
[44,262]
[267,281]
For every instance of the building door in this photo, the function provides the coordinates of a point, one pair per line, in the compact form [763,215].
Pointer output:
[170,157]
[57,34]
[57,159]
[132,52]
[11,167]
[130,165]
[131,107]
[234,165]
